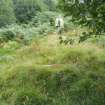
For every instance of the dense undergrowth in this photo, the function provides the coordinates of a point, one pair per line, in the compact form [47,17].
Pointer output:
[37,67]
[47,73]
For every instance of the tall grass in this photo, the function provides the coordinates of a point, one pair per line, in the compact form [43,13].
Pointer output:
[47,73]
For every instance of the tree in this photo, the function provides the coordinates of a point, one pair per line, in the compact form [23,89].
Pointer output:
[7,15]
[89,13]
[51,4]
[25,10]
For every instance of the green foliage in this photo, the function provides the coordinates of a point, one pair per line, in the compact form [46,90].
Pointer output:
[68,23]
[13,45]
[28,98]
[66,40]
[44,17]
[100,40]
[23,10]
[46,72]
[51,4]
[52,74]
[27,9]
[12,33]
[35,18]
[7,35]
[84,37]
[7,15]
[24,33]
[86,12]
[79,79]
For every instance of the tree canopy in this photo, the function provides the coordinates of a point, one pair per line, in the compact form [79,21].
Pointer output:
[22,11]
[89,13]
[7,15]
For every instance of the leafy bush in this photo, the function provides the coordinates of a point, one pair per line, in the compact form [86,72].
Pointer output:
[84,37]
[99,40]
[86,12]
[11,33]
[24,33]
[44,17]
[26,10]
[7,35]
[68,23]
[7,15]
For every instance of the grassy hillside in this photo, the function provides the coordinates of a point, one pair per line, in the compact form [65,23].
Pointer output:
[47,73]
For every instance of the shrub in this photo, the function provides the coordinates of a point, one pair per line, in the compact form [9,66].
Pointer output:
[68,23]
[44,17]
